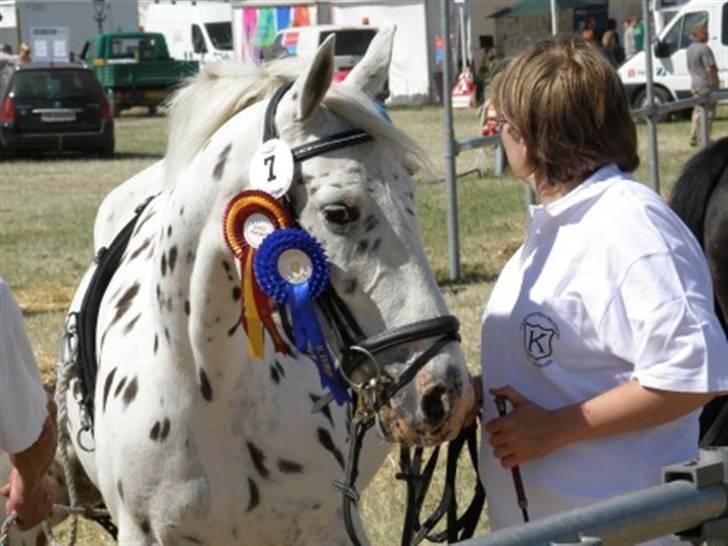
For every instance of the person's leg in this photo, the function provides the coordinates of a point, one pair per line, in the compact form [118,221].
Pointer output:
[695,126]
[710,115]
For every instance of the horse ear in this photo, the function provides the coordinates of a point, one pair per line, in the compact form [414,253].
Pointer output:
[370,74]
[311,86]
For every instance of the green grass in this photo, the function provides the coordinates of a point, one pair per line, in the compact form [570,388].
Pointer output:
[47,207]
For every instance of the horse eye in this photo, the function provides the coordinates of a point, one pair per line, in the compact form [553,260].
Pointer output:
[341,215]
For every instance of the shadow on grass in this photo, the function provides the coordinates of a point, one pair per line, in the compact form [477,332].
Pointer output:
[35,312]
[79,156]
[137,155]
[469,274]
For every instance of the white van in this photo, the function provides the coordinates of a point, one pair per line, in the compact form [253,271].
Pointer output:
[669,63]
[351,43]
[199,31]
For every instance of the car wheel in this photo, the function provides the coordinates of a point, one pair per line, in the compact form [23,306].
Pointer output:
[662,96]
[107,150]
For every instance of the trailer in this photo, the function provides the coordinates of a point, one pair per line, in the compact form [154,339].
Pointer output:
[56,30]
[195,31]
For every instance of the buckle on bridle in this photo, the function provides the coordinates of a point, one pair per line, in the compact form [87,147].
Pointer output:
[367,378]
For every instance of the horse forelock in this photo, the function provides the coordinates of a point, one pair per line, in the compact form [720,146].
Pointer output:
[223,89]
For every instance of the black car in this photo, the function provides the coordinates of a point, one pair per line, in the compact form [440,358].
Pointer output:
[53,107]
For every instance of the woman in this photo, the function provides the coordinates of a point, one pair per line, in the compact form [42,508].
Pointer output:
[24,54]
[600,331]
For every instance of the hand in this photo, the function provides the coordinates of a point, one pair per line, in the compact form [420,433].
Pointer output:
[529,432]
[32,505]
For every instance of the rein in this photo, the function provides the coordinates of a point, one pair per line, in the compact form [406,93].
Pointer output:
[376,388]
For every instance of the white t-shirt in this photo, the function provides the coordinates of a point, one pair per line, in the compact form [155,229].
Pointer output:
[23,402]
[608,286]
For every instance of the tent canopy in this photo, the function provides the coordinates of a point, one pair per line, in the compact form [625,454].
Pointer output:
[540,7]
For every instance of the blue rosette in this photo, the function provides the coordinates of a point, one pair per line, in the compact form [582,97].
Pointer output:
[292,269]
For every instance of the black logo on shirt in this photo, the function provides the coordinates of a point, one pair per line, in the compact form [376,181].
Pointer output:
[539,333]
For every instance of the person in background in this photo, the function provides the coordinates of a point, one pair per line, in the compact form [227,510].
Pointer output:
[703,78]
[630,48]
[24,53]
[638,31]
[591,24]
[600,342]
[589,36]
[610,44]
[27,421]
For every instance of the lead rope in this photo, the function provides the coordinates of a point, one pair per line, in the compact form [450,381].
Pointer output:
[63,372]
[5,529]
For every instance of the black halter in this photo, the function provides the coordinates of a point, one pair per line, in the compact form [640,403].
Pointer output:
[355,349]
[373,387]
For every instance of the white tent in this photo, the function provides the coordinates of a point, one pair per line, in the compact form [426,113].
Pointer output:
[411,79]
[410,74]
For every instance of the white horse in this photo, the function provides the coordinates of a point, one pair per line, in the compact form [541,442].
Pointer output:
[194,440]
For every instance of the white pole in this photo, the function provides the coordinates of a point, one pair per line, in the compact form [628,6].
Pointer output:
[554,18]
[450,150]
[463,46]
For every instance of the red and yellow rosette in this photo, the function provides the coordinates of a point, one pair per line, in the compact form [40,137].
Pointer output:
[249,217]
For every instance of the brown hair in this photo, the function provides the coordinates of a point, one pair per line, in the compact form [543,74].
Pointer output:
[698,28]
[568,104]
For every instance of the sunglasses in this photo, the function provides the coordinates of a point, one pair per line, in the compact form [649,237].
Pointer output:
[500,121]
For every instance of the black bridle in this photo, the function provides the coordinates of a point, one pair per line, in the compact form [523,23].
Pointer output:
[373,387]
[355,349]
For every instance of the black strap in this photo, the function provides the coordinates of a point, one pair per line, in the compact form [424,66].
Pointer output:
[107,523]
[717,431]
[108,260]
[418,482]
[269,123]
[408,375]
[357,429]
[415,331]
[330,143]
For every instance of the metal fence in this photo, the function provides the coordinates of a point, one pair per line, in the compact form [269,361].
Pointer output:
[651,115]
[656,111]
[692,500]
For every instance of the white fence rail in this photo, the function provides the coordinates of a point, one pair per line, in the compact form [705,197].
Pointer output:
[692,499]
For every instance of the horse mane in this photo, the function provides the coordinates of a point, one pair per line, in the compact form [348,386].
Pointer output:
[699,178]
[222,89]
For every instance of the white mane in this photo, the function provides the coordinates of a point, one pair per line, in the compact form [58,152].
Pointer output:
[223,89]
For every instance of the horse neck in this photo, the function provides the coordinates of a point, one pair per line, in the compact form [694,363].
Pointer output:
[195,267]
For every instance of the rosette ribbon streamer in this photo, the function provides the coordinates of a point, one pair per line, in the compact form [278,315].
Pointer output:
[249,217]
[292,269]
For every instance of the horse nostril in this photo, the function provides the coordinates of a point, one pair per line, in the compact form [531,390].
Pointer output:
[433,405]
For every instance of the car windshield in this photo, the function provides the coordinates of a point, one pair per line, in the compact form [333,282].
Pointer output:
[136,48]
[350,42]
[221,35]
[54,84]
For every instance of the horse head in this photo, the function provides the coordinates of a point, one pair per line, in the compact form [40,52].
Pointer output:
[358,201]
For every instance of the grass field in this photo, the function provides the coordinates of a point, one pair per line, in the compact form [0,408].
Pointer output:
[47,208]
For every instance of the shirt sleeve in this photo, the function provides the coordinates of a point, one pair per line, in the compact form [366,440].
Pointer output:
[706,58]
[23,402]
[661,320]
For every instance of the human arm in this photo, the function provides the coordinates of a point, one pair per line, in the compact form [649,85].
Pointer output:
[29,491]
[712,72]
[530,431]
